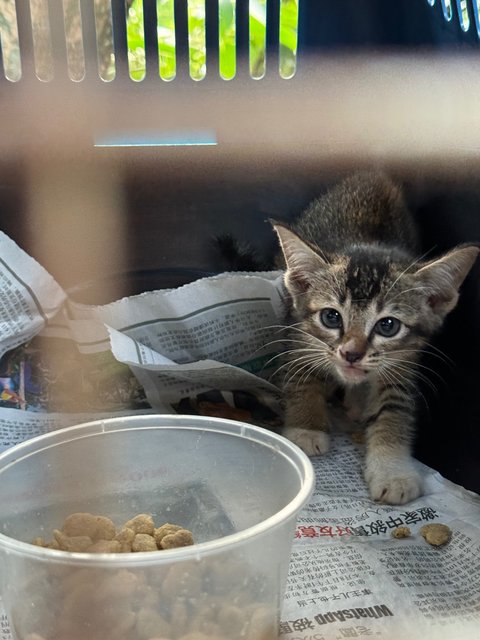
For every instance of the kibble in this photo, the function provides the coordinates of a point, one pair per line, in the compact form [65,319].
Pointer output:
[436,534]
[165,530]
[144,542]
[181,538]
[105,546]
[80,524]
[401,532]
[187,600]
[143,523]
[85,532]
[125,536]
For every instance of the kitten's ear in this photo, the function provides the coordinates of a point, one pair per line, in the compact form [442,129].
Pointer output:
[300,258]
[443,277]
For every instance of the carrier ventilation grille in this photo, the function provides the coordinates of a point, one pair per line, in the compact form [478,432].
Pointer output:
[166,39]
[163,38]
[464,9]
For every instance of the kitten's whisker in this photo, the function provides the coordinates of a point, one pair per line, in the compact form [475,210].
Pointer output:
[278,327]
[305,350]
[271,360]
[415,364]
[400,293]
[284,340]
[306,359]
[440,354]
[312,371]
[417,374]
[308,362]
[403,381]
[310,339]
[410,266]
[295,363]
[279,341]
[437,353]
[402,385]
[389,377]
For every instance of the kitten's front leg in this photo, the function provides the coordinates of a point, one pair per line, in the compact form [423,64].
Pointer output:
[390,470]
[306,422]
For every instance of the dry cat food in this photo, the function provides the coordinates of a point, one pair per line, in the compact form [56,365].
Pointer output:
[436,534]
[401,532]
[200,598]
[88,533]
[205,599]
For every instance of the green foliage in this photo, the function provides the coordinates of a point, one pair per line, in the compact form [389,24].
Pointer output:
[288,37]
[257,27]
[136,41]
[196,39]
[227,43]
[166,39]
[227,36]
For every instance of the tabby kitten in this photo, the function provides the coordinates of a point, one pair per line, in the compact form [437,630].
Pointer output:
[363,309]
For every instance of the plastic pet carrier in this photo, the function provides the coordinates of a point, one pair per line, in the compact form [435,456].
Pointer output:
[139,141]
[133,133]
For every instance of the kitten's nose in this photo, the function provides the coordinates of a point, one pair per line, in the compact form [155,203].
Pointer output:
[352,356]
[353,348]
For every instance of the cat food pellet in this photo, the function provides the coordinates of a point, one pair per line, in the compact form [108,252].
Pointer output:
[124,624]
[125,536]
[72,543]
[260,627]
[143,523]
[144,542]
[165,530]
[181,580]
[53,545]
[119,585]
[181,538]
[106,529]
[39,542]
[80,524]
[436,534]
[105,546]
[231,618]
[150,622]
[401,532]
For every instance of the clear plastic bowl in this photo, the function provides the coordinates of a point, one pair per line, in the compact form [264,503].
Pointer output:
[237,487]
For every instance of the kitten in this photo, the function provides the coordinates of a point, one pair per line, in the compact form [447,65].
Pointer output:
[363,309]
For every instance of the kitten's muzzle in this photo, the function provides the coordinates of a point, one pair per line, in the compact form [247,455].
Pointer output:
[352,356]
[353,348]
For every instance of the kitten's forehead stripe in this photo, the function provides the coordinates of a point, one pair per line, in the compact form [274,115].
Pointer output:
[365,276]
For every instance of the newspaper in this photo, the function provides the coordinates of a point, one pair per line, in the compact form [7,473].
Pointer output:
[212,347]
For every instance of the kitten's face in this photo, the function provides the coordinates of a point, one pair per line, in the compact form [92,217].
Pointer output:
[363,321]
[369,313]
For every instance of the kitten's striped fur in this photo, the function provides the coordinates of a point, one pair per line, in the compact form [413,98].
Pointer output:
[363,309]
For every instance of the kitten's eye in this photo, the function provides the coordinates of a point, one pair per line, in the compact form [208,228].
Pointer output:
[387,327]
[331,318]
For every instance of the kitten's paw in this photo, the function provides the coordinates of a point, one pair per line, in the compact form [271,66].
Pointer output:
[393,486]
[312,441]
